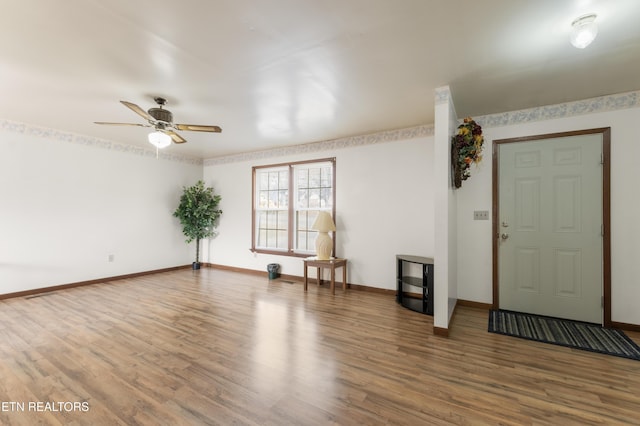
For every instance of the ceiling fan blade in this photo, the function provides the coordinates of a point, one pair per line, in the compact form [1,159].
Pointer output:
[176,137]
[122,124]
[198,128]
[135,108]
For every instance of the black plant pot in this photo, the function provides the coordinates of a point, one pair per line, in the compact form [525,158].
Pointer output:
[195,266]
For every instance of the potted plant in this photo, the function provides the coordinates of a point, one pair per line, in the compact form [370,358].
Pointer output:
[198,213]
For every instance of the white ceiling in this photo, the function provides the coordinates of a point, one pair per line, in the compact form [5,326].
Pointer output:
[280,72]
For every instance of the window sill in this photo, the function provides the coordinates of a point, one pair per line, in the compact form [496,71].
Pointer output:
[282,253]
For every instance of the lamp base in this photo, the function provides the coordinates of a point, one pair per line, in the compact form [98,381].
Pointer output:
[324,246]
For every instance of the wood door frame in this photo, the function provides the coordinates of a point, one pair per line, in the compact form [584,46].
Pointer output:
[606,210]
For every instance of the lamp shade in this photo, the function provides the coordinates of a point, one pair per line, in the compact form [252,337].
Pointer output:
[159,139]
[583,31]
[323,222]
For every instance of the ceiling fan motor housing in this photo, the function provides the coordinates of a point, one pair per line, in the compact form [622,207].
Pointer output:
[161,115]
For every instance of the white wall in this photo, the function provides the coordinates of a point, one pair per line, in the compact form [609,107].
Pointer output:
[474,237]
[446,226]
[384,207]
[65,207]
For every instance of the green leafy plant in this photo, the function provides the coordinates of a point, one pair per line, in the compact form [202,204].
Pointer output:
[198,213]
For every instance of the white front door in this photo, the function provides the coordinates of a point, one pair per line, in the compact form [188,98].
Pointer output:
[550,245]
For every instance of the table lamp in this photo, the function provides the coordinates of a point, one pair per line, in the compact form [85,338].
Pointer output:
[324,244]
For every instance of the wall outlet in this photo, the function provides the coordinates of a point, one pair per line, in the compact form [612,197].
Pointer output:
[112,258]
[481,215]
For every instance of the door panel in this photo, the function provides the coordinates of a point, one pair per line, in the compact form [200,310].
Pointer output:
[567,204]
[527,270]
[527,204]
[550,246]
[568,272]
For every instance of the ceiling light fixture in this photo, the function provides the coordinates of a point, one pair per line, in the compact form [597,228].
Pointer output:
[159,139]
[584,30]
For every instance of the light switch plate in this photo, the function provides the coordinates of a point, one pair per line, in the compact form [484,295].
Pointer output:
[481,215]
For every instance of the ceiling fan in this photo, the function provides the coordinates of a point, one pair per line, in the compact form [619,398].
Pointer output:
[162,121]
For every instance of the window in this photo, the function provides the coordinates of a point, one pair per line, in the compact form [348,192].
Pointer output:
[286,201]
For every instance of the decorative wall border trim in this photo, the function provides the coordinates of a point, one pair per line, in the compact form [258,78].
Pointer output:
[61,136]
[568,109]
[442,94]
[333,144]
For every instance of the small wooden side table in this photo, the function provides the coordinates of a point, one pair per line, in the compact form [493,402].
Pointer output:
[331,264]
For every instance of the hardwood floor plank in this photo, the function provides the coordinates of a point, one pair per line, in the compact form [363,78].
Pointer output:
[224,347]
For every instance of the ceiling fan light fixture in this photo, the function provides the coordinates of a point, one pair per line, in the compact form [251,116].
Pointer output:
[159,139]
[583,30]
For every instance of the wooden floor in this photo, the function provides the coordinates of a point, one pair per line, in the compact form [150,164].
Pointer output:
[221,347]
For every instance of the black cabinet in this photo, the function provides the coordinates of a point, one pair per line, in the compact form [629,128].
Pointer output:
[415,292]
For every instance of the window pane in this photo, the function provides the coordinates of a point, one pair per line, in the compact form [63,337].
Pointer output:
[326,177]
[302,220]
[262,220]
[283,240]
[283,198]
[283,179]
[274,197]
[303,198]
[314,198]
[326,198]
[283,220]
[267,223]
[301,243]
[306,240]
[261,228]
[314,178]
[303,178]
[263,199]
[271,238]
[312,214]
[272,229]
[273,181]
[263,179]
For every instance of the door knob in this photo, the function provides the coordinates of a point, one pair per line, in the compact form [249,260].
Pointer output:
[504,236]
